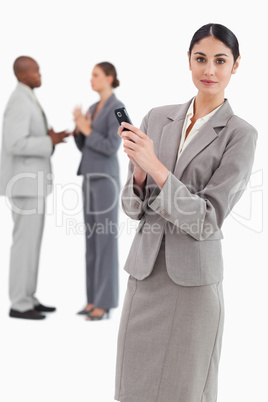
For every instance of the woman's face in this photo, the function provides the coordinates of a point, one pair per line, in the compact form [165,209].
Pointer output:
[99,80]
[212,64]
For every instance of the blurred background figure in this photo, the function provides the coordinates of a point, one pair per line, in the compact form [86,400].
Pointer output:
[26,180]
[96,137]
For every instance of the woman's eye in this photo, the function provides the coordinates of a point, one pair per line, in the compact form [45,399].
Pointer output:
[220,61]
[201,60]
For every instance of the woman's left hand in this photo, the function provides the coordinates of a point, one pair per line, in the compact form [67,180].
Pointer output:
[140,147]
[83,123]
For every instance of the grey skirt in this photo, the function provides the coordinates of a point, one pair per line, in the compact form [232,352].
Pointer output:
[169,340]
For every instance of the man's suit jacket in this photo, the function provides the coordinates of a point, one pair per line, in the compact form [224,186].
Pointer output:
[26,147]
[99,149]
[201,189]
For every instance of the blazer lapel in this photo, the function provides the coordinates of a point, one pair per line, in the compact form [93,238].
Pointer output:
[206,136]
[169,143]
[106,104]
[170,138]
[31,95]
[202,139]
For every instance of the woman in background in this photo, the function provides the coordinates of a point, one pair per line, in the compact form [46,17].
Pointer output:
[96,137]
[189,166]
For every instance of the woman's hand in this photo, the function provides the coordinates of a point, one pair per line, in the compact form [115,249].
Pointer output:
[82,122]
[140,149]
[139,174]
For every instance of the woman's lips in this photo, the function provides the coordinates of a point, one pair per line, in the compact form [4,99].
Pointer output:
[208,82]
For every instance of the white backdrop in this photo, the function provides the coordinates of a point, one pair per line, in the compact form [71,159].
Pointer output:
[65,358]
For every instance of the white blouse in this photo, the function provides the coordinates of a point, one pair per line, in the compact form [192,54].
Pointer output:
[195,129]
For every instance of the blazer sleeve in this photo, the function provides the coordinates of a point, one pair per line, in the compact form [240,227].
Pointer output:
[18,140]
[207,209]
[80,141]
[109,144]
[135,205]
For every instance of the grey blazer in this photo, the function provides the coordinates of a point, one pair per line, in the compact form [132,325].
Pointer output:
[100,147]
[26,147]
[201,189]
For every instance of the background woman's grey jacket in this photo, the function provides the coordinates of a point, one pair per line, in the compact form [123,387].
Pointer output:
[201,189]
[100,147]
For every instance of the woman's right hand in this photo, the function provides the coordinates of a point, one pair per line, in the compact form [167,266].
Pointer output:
[139,173]
[137,169]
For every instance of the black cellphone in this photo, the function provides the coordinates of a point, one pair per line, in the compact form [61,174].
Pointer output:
[122,116]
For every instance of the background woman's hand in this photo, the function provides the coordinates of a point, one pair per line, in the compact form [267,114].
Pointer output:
[82,122]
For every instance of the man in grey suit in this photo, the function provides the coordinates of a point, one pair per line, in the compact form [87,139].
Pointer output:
[26,179]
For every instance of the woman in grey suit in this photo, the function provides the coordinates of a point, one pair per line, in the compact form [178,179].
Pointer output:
[96,137]
[189,165]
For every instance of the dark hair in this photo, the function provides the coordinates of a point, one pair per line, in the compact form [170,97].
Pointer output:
[219,32]
[109,69]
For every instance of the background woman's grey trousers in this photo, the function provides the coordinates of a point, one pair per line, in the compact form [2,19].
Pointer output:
[169,340]
[101,220]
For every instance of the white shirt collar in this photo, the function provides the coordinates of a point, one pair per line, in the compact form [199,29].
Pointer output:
[203,119]
[195,129]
